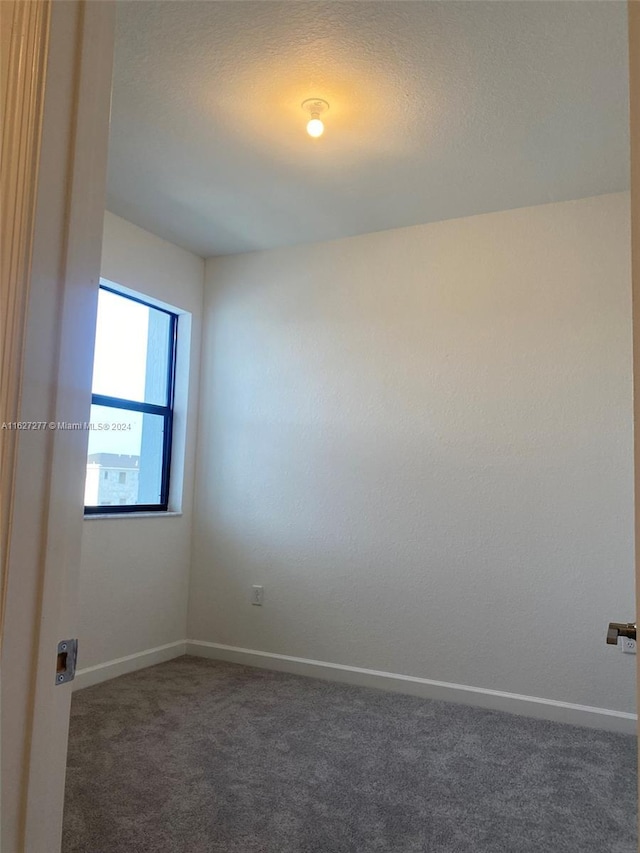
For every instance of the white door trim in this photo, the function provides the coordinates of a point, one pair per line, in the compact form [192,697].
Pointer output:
[634,103]
[47,506]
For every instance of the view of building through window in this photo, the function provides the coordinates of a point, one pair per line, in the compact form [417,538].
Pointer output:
[128,457]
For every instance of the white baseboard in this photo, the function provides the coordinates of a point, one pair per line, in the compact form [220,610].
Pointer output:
[514,703]
[91,675]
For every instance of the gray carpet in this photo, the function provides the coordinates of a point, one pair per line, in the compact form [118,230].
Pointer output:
[194,756]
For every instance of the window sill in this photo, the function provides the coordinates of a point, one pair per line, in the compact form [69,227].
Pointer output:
[96,516]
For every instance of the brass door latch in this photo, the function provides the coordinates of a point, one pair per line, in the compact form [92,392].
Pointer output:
[620,629]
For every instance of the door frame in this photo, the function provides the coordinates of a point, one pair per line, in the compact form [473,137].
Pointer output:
[51,359]
[634,120]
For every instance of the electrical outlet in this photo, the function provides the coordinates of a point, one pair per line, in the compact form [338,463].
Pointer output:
[628,645]
[257,595]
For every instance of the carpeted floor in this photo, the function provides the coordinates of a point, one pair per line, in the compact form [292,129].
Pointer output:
[194,756]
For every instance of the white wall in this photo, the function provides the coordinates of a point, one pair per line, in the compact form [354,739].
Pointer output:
[135,571]
[419,441]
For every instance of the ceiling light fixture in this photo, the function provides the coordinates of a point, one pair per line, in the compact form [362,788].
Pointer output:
[315,107]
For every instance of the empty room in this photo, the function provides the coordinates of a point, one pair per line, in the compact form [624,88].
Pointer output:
[339,538]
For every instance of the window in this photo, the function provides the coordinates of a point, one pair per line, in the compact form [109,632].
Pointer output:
[132,406]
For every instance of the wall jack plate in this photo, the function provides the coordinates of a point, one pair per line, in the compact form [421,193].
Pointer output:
[628,646]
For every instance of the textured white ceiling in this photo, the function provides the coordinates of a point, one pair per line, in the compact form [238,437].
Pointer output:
[438,110]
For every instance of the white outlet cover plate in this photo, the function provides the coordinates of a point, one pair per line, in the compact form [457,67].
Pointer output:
[628,646]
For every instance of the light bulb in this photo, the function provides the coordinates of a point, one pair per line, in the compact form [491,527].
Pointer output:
[315,127]
[314,108]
